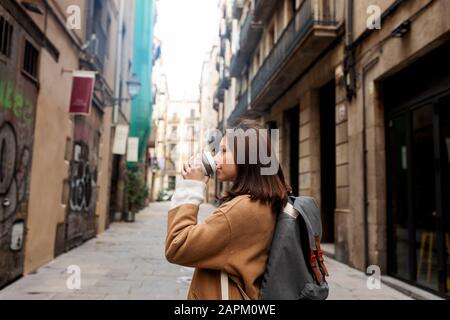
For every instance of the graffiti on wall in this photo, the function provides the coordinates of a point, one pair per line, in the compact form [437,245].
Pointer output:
[18,98]
[13,175]
[14,101]
[82,180]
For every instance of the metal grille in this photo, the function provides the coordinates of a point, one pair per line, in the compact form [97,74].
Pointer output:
[6,30]
[30,59]
[101,27]
[100,48]
[240,109]
[320,12]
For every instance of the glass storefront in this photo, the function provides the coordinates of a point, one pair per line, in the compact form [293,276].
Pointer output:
[419,161]
[444,118]
[418,172]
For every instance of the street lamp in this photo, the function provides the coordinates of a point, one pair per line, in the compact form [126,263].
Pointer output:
[134,86]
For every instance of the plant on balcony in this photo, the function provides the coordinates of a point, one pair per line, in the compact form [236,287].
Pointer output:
[137,190]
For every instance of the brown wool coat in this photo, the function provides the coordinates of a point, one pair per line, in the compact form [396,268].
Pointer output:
[236,238]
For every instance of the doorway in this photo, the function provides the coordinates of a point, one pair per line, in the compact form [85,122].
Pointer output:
[418,172]
[291,146]
[419,163]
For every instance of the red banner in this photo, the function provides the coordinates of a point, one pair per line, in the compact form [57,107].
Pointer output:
[82,92]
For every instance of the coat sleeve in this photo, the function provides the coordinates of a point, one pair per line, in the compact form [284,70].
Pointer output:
[191,244]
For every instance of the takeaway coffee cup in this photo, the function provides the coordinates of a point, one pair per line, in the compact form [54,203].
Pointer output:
[206,161]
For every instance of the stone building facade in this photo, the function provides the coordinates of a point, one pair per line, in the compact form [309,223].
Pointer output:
[363,119]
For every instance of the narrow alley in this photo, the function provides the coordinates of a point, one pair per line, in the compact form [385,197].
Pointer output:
[109,107]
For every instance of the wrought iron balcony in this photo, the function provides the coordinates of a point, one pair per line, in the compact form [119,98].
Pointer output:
[219,95]
[224,82]
[240,109]
[225,28]
[264,9]
[223,47]
[216,103]
[229,27]
[250,34]
[312,29]
[220,126]
[238,61]
[174,119]
[238,7]
[248,40]
[226,76]
[100,48]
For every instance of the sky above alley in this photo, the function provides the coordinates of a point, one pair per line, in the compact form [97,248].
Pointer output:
[188,29]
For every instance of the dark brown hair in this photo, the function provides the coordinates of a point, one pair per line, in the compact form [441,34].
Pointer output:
[269,189]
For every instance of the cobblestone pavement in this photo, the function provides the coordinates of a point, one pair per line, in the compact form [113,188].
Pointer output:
[128,262]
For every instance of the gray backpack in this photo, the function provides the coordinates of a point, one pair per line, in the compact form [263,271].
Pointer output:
[295,269]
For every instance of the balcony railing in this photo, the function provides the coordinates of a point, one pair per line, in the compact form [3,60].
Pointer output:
[238,61]
[311,13]
[229,27]
[220,94]
[224,82]
[264,9]
[223,47]
[241,108]
[238,7]
[174,118]
[100,44]
[220,126]
[191,119]
[250,35]
[225,28]
[216,103]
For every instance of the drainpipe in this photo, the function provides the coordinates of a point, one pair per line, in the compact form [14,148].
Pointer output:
[365,198]
[349,57]
[118,71]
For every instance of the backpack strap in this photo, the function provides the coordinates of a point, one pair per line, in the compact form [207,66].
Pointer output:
[315,267]
[290,210]
[320,257]
[224,287]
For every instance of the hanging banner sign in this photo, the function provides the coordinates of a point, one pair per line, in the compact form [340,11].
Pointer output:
[120,140]
[133,150]
[82,92]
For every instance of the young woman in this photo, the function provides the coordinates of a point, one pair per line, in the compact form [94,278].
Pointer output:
[236,238]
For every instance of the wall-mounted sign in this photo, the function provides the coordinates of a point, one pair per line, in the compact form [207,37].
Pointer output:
[82,91]
[133,150]
[120,140]
[342,112]
[17,236]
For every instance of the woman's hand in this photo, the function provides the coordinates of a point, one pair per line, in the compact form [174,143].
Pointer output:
[193,172]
